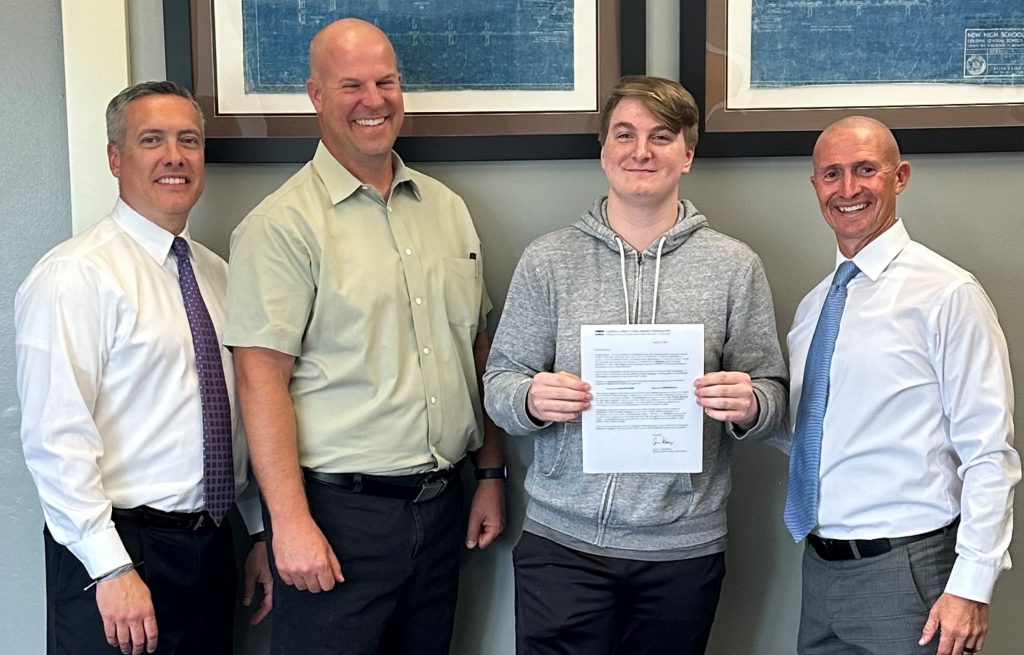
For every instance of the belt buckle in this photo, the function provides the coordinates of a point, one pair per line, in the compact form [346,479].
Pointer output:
[430,490]
[199,522]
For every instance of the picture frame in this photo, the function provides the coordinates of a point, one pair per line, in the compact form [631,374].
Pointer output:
[449,136]
[706,62]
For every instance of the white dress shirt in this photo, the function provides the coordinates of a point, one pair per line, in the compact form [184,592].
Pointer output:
[111,413]
[919,423]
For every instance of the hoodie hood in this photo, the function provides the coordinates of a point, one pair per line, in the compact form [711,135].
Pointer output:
[595,223]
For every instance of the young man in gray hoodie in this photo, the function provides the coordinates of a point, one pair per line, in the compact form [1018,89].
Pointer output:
[631,562]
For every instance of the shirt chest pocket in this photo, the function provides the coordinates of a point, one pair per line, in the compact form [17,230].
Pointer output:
[463,286]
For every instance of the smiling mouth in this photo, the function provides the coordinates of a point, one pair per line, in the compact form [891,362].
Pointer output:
[370,122]
[172,180]
[851,208]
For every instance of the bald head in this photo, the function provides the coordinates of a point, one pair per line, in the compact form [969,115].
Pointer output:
[865,128]
[344,35]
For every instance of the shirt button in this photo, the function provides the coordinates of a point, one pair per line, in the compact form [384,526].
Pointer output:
[390,210]
[426,351]
[419,301]
[433,400]
[408,251]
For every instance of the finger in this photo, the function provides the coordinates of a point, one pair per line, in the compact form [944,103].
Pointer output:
[249,589]
[261,613]
[946,644]
[110,632]
[572,379]
[488,536]
[473,533]
[720,377]
[336,567]
[930,626]
[561,394]
[559,417]
[723,391]
[561,380]
[138,637]
[124,638]
[152,633]
[285,577]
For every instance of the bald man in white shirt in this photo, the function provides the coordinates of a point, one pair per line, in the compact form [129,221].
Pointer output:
[114,375]
[911,517]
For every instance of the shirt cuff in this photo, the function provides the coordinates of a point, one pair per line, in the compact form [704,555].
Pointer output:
[526,422]
[762,417]
[972,580]
[101,552]
[251,509]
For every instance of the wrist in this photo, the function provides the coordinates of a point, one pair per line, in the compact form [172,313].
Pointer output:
[120,571]
[491,473]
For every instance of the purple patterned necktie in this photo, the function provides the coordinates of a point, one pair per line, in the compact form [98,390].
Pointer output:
[218,462]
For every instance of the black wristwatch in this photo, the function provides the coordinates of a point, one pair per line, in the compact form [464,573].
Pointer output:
[496,473]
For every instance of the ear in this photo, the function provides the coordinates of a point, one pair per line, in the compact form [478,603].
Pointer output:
[688,162]
[314,93]
[902,176]
[114,159]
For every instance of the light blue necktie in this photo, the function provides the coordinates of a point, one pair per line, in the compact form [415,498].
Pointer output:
[801,513]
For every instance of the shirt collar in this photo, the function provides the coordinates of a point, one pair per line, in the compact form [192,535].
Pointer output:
[154,239]
[341,183]
[875,257]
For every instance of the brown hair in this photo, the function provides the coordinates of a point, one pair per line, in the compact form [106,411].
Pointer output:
[666,99]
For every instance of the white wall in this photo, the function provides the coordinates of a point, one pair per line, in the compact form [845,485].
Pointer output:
[968,207]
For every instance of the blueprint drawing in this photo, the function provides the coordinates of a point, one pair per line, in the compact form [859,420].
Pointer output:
[801,42]
[442,45]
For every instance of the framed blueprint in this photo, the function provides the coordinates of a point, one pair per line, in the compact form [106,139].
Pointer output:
[494,79]
[946,75]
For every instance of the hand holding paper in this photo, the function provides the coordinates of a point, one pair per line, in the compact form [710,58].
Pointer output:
[557,397]
[728,396]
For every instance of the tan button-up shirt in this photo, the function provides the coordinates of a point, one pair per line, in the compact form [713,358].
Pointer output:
[379,302]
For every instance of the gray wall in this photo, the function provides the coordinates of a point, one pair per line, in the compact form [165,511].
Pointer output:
[968,207]
[34,202]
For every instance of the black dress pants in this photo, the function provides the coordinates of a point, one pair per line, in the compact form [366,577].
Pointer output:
[191,579]
[573,603]
[400,560]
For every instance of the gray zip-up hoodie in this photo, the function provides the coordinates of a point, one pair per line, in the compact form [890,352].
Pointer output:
[586,275]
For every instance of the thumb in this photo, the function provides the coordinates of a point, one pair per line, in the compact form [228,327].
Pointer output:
[336,568]
[931,626]
[472,534]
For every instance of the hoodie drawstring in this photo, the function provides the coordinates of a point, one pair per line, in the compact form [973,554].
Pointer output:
[657,276]
[622,271]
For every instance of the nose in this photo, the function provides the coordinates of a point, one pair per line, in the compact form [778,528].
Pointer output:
[641,151]
[373,97]
[850,187]
[172,154]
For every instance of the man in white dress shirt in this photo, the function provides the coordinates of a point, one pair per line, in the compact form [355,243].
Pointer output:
[917,469]
[112,415]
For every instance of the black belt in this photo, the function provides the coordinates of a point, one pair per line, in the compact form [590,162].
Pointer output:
[834,550]
[418,488]
[155,518]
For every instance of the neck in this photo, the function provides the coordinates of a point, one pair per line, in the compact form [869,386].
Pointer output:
[641,225]
[378,172]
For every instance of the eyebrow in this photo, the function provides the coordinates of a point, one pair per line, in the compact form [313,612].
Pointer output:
[629,126]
